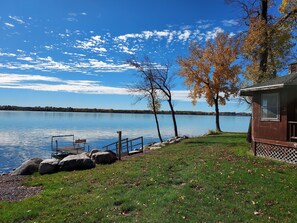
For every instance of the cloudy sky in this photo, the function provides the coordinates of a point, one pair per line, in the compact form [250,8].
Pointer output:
[72,53]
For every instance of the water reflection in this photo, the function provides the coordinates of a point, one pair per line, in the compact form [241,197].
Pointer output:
[28,134]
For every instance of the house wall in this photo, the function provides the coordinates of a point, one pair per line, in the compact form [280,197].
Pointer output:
[272,130]
[292,104]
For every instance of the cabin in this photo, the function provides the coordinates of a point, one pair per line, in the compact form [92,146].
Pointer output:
[274,117]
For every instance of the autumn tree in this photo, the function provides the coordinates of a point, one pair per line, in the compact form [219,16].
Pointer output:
[269,39]
[210,71]
[146,88]
[162,81]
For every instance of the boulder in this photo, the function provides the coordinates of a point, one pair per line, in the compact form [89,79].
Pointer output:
[178,140]
[94,151]
[48,166]
[76,162]
[104,157]
[160,144]
[28,168]
[155,147]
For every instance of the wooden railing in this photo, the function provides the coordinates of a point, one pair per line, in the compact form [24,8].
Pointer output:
[292,130]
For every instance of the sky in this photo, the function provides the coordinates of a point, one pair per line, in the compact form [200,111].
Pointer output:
[73,53]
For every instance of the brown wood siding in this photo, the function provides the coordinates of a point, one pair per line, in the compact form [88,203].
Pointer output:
[292,104]
[273,130]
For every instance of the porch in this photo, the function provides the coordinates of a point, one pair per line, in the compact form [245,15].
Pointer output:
[278,150]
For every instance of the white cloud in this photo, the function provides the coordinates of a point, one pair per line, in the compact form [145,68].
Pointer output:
[230,22]
[49,47]
[100,66]
[125,49]
[98,39]
[17,19]
[15,79]
[25,58]
[9,24]
[99,49]
[213,34]
[49,83]
[7,54]
[36,82]
[181,95]
[184,36]
[125,37]
[93,44]
[71,19]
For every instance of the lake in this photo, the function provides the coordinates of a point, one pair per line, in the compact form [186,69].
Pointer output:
[24,135]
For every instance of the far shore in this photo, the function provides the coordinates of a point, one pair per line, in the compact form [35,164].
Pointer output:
[99,110]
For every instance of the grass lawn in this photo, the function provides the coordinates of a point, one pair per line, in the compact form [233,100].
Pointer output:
[205,179]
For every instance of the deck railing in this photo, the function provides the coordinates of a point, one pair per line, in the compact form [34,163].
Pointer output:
[292,130]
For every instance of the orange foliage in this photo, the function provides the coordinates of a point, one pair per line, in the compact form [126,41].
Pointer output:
[210,70]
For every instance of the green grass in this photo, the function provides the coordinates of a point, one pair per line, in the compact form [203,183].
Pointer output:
[206,179]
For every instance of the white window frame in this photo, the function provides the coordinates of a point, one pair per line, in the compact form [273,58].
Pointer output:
[277,118]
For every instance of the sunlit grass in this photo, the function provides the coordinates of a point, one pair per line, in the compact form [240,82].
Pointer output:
[206,179]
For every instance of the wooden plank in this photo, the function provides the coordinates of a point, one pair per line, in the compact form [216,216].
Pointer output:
[70,149]
[78,141]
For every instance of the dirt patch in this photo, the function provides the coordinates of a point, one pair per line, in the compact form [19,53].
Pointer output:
[12,189]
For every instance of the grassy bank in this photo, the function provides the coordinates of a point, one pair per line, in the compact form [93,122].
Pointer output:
[207,179]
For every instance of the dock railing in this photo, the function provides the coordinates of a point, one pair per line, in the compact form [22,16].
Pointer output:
[63,145]
[128,146]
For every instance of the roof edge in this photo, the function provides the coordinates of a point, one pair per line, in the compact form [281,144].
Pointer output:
[249,90]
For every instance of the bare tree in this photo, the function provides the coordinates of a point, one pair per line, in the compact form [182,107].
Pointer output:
[161,80]
[146,89]
[164,83]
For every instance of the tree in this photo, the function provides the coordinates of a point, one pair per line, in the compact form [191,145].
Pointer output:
[164,83]
[161,80]
[146,88]
[210,71]
[269,38]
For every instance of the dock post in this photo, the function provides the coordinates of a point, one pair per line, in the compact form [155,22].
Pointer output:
[120,145]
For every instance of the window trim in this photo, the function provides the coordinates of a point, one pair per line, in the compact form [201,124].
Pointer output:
[278,107]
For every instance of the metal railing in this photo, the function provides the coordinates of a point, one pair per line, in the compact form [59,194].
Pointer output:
[292,130]
[63,145]
[127,145]
[113,146]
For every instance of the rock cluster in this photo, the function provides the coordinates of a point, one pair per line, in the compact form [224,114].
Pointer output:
[159,145]
[69,163]
[80,161]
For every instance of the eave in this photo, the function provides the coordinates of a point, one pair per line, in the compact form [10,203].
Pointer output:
[249,91]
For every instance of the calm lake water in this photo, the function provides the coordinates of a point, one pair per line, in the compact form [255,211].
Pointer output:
[24,135]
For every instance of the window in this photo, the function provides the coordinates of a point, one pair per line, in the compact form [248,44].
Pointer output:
[270,107]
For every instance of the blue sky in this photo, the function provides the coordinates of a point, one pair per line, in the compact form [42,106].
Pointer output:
[72,53]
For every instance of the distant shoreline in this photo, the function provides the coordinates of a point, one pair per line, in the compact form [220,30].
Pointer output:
[98,110]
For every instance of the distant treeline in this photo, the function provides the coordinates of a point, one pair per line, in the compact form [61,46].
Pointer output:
[99,110]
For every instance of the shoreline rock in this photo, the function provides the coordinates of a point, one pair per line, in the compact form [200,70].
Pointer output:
[76,162]
[49,166]
[28,167]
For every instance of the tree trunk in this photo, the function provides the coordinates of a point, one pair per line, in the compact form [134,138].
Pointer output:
[173,117]
[218,128]
[157,124]
[156,118]
[264,45]
[249,133]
